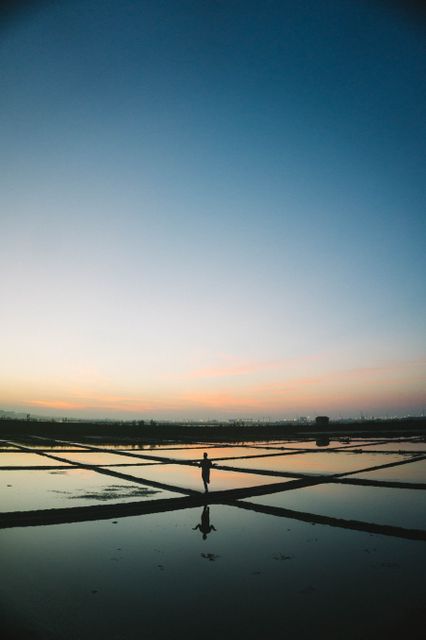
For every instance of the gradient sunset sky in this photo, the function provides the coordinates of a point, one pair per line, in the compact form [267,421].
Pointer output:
[213,208]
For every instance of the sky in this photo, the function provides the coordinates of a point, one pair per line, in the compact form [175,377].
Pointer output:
[213,209]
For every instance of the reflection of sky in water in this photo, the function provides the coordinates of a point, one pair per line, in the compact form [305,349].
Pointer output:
[27,490]
[213,452]
[398,507]
[316,463]
[312,445]
[261,573]
[41,446]
[23,459]
[94,457]
[412,472]
[189,477]
[400,446]
[131,446]
[254,577]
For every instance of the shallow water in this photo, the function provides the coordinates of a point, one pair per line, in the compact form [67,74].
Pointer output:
[379,505]
[400,446]
[214,453]
[312,445]
[327,462]
[414,472]
[292,443]
[22,459]
[40,445]
[143,446]
[101,458]
[255,576]
[219,571]
[189,477]
[28,490]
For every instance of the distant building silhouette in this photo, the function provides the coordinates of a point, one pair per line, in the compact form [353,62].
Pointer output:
[322,421]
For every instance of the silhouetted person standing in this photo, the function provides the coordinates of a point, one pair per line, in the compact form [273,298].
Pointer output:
[205,527]
[206,465]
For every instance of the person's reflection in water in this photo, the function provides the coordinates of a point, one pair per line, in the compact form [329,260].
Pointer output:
[206,465]
[205,527]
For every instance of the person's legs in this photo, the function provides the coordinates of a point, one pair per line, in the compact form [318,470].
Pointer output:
[206,489]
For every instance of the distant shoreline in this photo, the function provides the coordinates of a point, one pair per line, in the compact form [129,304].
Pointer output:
[223,432]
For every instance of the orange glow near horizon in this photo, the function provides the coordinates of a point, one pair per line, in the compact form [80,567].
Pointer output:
[57,404]
[360,389]
[282,388]
[184,236]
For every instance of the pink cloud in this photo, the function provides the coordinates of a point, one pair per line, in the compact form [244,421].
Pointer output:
[390,384]
[57,404]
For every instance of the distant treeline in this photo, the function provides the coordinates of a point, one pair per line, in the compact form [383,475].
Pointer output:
[205,432]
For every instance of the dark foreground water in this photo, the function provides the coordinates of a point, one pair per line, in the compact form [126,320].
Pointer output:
[218,571]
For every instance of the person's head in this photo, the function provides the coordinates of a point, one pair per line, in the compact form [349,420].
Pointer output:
[204,536]
[205,455]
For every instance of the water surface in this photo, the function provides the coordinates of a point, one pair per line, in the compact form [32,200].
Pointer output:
[414,472]
[23,459]
[29,490]
[102,458]
[189,477]
[379,505]
[318,463]
[254,576]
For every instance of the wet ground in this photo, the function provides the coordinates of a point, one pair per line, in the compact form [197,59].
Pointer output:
[293,539]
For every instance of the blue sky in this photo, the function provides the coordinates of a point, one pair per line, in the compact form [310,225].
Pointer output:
[213,209]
